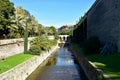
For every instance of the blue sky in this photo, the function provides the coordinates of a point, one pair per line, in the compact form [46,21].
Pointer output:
[55,12]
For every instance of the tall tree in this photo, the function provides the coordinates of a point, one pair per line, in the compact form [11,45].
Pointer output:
[18,22]
[6,10]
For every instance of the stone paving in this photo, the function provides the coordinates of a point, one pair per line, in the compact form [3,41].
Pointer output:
[59,73]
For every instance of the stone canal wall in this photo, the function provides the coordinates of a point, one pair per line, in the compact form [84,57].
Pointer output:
[91,72]
[22,71]
[11,47]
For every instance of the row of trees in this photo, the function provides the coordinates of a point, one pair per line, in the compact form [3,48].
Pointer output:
[13,22]
[18,23]
[6,11]
[65,30]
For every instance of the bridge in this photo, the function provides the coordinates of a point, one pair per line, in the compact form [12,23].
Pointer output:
[63,38]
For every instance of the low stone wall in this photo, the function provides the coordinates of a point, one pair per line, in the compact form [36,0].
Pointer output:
[22,71]
[11,47]
[10,41]
[91,72]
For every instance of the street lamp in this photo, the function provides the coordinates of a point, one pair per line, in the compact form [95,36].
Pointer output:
[26,37]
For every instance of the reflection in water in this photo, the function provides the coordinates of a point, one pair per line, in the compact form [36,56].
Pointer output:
[62,58]
[66,50]
[61,44]
[52,61]
[69,60]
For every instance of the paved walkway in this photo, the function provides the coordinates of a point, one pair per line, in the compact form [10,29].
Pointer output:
[59,73]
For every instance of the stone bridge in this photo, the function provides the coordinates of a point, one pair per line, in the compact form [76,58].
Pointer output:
[63,38]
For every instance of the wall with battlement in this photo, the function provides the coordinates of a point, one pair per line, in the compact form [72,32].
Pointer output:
[103,20]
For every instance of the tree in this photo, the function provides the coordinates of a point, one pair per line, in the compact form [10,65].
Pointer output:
[18,22]
[27,20]
[6,10]
[54,32]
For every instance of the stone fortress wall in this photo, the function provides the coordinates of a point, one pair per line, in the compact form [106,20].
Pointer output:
[103,20]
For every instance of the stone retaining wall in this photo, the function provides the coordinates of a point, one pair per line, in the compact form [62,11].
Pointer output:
[11,47]
[22,71]
[91,72]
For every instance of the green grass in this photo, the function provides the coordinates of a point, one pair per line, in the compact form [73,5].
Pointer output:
[109,64]
[12,61]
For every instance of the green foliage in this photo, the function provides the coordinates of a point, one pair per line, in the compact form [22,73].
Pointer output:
[109,64]
[13,22]
[35,49]
[13,61]
[100,77]
[92,45]
[40,44]
[66,32]
[51,31]
[17,22]
[54,32]
[6,10]
[56,36]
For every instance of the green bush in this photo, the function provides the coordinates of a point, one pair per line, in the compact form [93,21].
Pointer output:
[40,44]
[92,45]
[35,50]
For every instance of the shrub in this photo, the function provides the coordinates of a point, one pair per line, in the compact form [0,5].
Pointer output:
[35,50]
[40,44]
[92,45]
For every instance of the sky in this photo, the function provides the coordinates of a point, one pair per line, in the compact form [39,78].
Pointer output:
[55,12]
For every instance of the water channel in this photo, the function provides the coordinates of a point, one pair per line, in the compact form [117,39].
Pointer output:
[59,66]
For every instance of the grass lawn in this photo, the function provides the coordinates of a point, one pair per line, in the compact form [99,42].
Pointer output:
[12,61]
[109,64]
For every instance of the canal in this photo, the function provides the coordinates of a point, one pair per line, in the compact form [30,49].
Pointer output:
[61,65]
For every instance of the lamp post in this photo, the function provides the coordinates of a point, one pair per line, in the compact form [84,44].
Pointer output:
[26,37]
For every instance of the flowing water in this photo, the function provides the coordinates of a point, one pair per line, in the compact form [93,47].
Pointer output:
[59,66]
